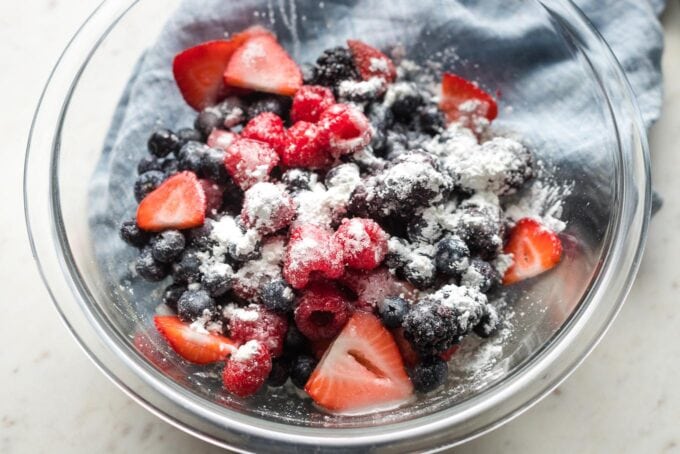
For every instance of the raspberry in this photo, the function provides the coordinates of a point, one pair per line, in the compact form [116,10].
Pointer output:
[247,369]
[220,138]
[306,146]
[372,287]
[348,129]
[363,242]
[322,312]
[266,127]
[256,323]
[267,208]
[249,161]
[213,196]
[309,103]
[311,248]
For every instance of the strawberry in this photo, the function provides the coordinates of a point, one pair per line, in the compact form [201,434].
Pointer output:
[311,249]
[534,249]
[408,353]
[178,203]
[348,129]
[309,103]
[306,146]
[262,64]
[199,348]
[371,62]
[363,241]
[463,100]
[250,161]
[221,139]
[361,370]
[247,369]
[266,127]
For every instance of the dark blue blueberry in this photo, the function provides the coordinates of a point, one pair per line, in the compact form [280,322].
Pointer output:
[420,271]
[191,156]
[431,327]
[133,235]
[149,163]
[276,104]
[147,182]
[167,245]
[430,374]
[187,268]
[212,165]
[188,135]
[279,373]
[207,120]
[172,294]
[149,268]
[430,119]
[277,296]
[170,166]
[298,179]
[452,256]
[406,105]
[392,311]
[232,111]
[300,370]
[481,275]
[295,342]
[193,304]
[163,142]
[217,280]
[489,323]
[424,230]
[199,237]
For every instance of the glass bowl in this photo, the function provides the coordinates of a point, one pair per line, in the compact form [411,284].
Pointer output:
[76,196]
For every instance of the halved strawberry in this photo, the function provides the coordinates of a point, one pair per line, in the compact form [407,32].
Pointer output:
[362,370]
[464,100]
[408,353]
[199,348]
[534,249]
[199,70]
[178,203]
[371,62]
[262,64]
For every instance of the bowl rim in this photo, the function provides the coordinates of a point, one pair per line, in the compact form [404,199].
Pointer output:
[497,404]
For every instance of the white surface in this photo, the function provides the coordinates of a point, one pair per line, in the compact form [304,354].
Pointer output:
[624,398]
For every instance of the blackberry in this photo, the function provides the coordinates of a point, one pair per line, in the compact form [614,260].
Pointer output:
[217,280]
[232,111]
[232,198]
[148,163]
[193,304]
[279,373]
[406,101]
[420,271]
[298,179]
[398,250]
[147,182]
[277,296]
[451,256]
[208,119]
[430,374]
[187,268]
[392,311]
[191,156]
[279,105]
[430,119]
[133,235]
[423,229]
[167,245]
[149,268]
[431,327]
[300,370]
[365,160]
[172,294]
[295,341]
[163,142]
[481,275]
[187,135]
[381,118]
[212,165]
[482,231]
[333,66]
[489,323]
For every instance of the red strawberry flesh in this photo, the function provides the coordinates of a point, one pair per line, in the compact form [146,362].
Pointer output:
[534,248]
[463,100]
[371,62]
[194,346]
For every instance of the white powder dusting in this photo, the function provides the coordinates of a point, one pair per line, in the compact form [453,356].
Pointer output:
[227,233]
[255,273]
[379,64]
[468,303]
[541,201]
[362,89]
[321,206]
[246,314]
[252,52]
[246,351]
[199,325]
[266,205]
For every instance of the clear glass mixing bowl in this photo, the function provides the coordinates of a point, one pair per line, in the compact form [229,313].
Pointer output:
[558,320]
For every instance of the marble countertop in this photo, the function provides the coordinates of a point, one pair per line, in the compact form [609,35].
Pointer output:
[624,398]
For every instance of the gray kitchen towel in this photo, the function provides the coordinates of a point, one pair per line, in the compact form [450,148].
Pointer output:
[492,35]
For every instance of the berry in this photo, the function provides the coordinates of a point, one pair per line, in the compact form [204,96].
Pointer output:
[162,142]
[309,103]
[319,347]
[147,183]
[348,129]
[191,156]
[361,369]
[188,135]
[464,101]
[279,373]
[207,121]
[342,175]
[191,345]
[167,245]
[372,287]
[148,267]
[221,139]
[212,166]
[534,248]
[172,294]
[298,179]
[321,312]
[406,102]
[277,296]
[295,341]
[213,196]
[170,165]
[481,275]
[250,161]
[481,229]
[267,127]
[420,270]
[363,242]
[392,311]
[187,268]
[408,354]
[232,111]
[199,238]
[194,304]
[255,322]
[398,251]
[267,208]
[452,256]
[148,163]
[431,327]
[279,105]
[306,146]
[247,369]
[311,248]
[370,62]
[430,119]
[430,374]
[381,119]
[217,279]
[133,235]
[424,229]
[333,66]
[261,64]
[300,370]
[488,323]
[178,203]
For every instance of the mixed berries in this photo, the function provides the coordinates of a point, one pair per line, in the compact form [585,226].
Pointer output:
[340,225]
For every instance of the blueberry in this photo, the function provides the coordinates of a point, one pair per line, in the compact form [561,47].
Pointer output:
[451,256]
[431,327]
[300,370]
[212,165]
[147,182]
[217,279]
[149,268]
[279,373]
[481,275]
[172,294]
[133,235]
[167,245]
[199,237]
[381,118]
[193,304]
[295,341]
[420,271]
[191,156]
[298,179]
[170,166]
[333,66]
[188,135]
[277,296]
[407,101]
[163,142]
[392,311]
[276,104]
[489,323]
[430,374]
[187,268]
[232,112]
[207,120]
[149,163]
[430,119]
[424,229]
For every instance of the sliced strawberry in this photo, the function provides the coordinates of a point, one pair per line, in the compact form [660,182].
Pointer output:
[534,249]
[463,100]
[178,203]
[220,138]
[371,62]
[249,162]
[410,356]
[199,348]
[348,129]
[262,64]
[362,370]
